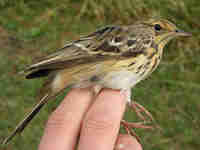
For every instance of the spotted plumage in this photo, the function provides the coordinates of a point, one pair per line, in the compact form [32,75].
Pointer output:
[116,57]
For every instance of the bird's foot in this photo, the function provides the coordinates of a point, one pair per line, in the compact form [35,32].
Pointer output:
[128,126]
[140,111]
[138,108]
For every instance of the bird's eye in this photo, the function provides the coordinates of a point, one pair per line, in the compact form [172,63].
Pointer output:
[157,27]
[176,30]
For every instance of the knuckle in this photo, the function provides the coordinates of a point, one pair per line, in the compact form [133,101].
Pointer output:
[98,125]
[55,121]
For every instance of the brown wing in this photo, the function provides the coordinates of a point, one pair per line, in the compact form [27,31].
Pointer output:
[112,42]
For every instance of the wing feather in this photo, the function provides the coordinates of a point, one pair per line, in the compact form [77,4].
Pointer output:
[107,43]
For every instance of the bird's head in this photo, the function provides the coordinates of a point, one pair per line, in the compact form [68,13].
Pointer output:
[164,30]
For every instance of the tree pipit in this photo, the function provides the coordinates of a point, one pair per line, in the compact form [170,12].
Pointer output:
[116,57]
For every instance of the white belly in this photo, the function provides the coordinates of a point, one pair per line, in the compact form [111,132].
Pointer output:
[120,80]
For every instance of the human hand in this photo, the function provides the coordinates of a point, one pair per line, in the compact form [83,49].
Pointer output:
[88,122]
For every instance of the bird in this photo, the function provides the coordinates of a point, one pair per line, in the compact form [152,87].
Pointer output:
[114,56]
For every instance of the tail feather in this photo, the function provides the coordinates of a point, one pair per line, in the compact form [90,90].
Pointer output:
[20,127]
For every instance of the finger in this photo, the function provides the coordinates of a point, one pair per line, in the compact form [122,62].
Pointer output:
[63,125]
[101,124]
[127,142]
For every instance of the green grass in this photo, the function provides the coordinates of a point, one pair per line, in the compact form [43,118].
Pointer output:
[172,93]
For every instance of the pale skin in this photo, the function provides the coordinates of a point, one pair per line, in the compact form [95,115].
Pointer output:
[88,122]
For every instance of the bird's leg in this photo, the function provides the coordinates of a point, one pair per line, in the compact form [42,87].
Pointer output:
[139,109]
[97,89]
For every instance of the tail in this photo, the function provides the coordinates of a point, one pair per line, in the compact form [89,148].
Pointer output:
[20,127]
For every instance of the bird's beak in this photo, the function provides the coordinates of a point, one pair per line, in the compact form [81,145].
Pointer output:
[182,33]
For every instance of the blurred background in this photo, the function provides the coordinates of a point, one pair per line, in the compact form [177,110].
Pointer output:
[30,29]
